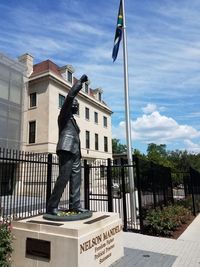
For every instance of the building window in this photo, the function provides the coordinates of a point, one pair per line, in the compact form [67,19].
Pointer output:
[61,100]
[32,131]
[105,122]
[105,144]
[96,142]
[87,139]
[86,88]
[87,113]
[33,100]
[69,76]
[96,117]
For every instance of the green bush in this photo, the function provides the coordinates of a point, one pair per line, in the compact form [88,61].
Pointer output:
[6,240]
[162,222]
[186,202]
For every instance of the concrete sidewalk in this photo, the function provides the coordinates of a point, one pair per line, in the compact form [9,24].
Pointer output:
[144,251]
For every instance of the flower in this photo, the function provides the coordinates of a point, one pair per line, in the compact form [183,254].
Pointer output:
[68,213]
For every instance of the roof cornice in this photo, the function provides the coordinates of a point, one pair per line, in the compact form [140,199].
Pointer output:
[61,81]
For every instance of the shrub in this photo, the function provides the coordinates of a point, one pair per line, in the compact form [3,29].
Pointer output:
[6,240]
[187,202]
[162,222]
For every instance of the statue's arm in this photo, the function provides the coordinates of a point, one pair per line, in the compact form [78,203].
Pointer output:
[77,86]
[66,108]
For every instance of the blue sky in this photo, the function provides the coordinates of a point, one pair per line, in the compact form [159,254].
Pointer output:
[163,54]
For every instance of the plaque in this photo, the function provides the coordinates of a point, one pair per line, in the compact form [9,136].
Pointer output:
[38,248]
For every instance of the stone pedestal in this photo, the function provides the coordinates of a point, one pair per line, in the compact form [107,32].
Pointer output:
[87,243]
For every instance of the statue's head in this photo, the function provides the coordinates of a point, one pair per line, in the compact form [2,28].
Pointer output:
[75,106]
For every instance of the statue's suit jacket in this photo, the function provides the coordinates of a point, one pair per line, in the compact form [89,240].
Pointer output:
[68,129]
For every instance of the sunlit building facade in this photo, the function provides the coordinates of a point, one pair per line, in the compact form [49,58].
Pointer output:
[47,87]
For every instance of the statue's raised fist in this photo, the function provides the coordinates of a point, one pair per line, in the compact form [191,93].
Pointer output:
[84,78]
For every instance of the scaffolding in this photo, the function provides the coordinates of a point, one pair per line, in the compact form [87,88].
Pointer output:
[11,100]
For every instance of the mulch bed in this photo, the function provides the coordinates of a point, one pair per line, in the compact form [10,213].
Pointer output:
[182,228]
[178,232]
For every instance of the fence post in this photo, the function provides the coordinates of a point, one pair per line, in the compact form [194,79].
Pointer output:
[109,186]
[171,187]
[164,186]
[124,194]
[136,160]
[86,185]
[152,170]
[192,191]
[49,175]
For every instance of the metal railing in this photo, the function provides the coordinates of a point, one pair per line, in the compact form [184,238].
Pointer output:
[108,189]
[23,182]
[27,179]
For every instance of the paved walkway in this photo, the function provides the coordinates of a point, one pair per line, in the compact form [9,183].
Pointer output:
[147,251]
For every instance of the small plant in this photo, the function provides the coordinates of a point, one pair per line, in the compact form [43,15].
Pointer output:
[162,222]
[6,240]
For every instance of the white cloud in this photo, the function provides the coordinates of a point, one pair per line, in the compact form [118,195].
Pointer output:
[80,27]
[149,108]
[159,129]
[192,147]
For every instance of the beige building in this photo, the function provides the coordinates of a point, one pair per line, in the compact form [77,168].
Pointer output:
[45,91]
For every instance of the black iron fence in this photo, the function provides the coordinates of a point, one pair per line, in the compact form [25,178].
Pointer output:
[186,189]
[195,190]
[26,181]
[108,189]
[154,186]
[23,182]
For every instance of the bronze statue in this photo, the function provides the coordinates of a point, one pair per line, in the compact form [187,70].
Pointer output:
[69,153]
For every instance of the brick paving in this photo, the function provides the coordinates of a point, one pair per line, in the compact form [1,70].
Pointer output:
[142,250]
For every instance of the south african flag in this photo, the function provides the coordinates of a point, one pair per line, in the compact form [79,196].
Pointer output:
[118,33]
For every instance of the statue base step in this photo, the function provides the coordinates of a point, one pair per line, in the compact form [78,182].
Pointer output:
[92,242]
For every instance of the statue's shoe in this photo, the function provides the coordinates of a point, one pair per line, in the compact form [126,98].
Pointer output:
[53,211]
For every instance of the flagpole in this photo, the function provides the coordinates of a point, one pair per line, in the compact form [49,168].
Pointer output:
[128,121]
